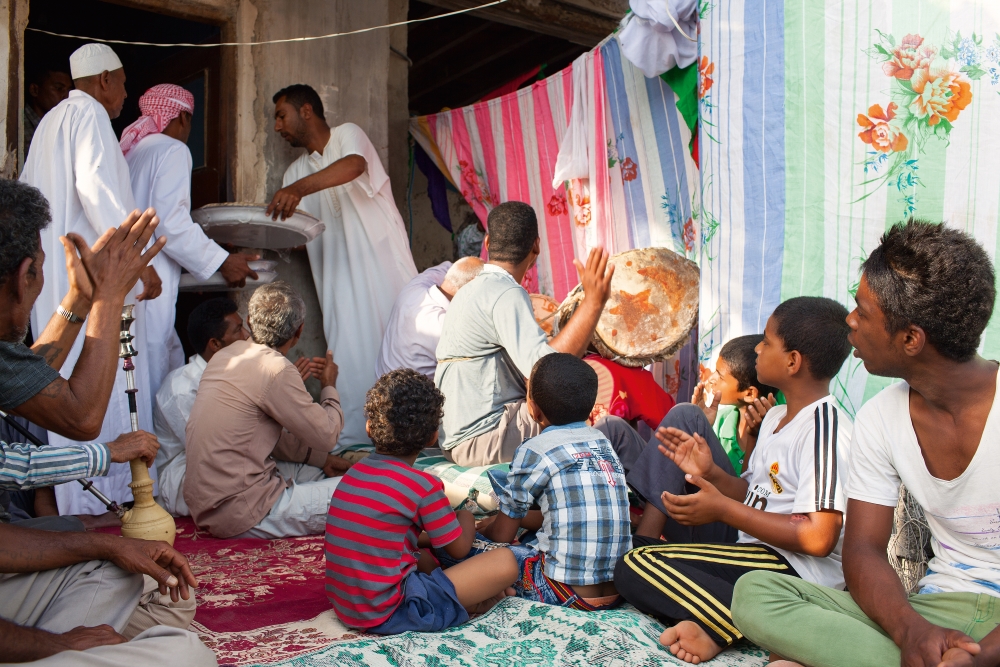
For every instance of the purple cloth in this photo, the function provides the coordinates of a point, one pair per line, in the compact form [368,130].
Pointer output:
[436,186]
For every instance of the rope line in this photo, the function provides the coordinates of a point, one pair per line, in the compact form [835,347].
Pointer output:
[274,41]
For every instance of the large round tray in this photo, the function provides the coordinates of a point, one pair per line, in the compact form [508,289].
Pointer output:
[246,225]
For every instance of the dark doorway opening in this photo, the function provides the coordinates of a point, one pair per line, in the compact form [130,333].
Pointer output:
[196,69]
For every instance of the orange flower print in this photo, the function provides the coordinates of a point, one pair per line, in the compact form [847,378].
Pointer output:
[911,55]
[557,204]
[880,131]
[629,169]
[581,206]
[941,93]
[689,235]
[705,70]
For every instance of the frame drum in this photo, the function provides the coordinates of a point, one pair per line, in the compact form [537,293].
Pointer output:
[651,311]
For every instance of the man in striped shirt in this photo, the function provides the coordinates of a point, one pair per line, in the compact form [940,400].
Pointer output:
[30,384]
[788,505]
[384,509]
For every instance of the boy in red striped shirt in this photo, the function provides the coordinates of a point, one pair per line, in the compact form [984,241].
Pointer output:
[376,577]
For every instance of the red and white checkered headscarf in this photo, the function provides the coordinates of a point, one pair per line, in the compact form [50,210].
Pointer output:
[159,105]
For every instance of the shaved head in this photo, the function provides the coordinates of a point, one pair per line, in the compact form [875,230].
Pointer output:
[460,274]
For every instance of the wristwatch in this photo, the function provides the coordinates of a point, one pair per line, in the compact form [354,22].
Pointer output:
[68,315]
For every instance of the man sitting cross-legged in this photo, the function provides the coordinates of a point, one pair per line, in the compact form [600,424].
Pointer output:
[258,447]
[788,505]
[490,341]
[213,325]
[925,297]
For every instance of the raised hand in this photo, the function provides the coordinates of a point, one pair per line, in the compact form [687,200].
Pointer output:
[116,261]
[596,275]
[328,376]
[80,288]
[755,411]
[710,409]
[310,367]
[160,561]
[689,452]
[696,509]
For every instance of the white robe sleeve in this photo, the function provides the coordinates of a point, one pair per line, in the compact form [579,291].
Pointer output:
[187,243]
[97,173]
[352,140]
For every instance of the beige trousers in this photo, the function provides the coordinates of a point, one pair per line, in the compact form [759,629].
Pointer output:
[498,445]
[155,609]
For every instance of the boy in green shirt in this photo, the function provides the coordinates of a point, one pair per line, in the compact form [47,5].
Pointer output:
[726,410]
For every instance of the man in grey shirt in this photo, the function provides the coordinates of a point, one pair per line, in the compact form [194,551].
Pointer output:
[490,341]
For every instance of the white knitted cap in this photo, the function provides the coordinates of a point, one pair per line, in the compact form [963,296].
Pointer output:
[91,59]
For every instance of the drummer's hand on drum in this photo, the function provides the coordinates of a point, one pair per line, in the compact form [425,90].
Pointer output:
[134,445]
[235,269]
[596,276]
[284,202]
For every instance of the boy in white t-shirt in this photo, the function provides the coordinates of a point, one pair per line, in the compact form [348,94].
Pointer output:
[788,505]
[925,297]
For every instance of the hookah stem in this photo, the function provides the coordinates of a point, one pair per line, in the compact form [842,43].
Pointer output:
[87,484]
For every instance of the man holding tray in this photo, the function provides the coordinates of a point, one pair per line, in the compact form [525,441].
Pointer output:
[362,260]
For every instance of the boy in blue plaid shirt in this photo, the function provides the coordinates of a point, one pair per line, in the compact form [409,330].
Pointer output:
[573,474]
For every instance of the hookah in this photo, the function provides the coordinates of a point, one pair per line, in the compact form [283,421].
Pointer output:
[146,520]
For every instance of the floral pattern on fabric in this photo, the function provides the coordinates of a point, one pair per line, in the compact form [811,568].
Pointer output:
[522,633]
[930,87]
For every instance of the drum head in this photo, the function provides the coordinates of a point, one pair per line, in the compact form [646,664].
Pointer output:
[545,308]
[652,308]
[246,225]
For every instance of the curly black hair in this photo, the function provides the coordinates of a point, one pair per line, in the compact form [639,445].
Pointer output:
[937,278]
[404,410]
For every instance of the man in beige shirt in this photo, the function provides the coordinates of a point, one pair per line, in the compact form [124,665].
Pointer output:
[258,461]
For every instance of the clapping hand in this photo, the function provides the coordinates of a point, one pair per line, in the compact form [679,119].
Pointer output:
[711,409]
[690,453]
[310,367]
[696,509]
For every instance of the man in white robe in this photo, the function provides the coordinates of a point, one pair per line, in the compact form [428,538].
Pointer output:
[213,325]
[77,164]
[159,162]
[362,260]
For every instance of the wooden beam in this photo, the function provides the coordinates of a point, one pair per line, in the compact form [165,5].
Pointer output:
[482,62]
[584,22]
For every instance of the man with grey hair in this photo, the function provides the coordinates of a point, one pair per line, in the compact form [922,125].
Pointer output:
[258,447]
[414,327]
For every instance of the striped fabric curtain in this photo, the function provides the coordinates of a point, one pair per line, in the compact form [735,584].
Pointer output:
[636,188]
[825,122]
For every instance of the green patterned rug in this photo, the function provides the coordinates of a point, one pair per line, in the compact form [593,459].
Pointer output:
[517,633]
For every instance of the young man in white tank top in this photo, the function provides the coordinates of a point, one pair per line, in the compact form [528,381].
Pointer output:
[925,298]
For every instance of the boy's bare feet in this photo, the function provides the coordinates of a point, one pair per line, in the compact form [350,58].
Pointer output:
[690,643]
[486,605]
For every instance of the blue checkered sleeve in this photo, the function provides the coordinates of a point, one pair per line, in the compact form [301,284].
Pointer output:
[527,480]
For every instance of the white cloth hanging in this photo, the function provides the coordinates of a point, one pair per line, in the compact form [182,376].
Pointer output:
[660,34]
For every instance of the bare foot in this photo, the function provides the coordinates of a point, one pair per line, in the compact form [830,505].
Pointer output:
[690,643]
[486,605]
[783,663]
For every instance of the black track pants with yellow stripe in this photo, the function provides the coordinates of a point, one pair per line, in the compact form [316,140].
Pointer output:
[692,582]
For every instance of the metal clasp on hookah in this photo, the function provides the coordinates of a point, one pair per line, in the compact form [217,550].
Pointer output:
[126,351]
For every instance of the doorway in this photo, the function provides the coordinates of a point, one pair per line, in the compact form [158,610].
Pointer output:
[196,69]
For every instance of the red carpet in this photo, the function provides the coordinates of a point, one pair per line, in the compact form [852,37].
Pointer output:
[250,583]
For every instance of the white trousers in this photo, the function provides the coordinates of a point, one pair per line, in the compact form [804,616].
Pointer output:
[302,508]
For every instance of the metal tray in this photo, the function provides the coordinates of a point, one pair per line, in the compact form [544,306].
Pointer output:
[245,225]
